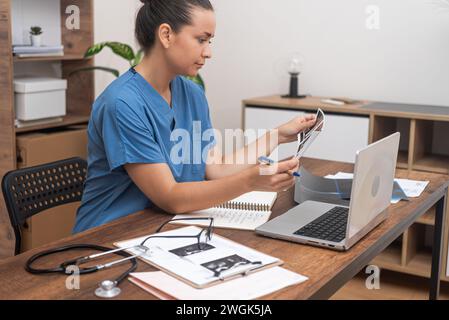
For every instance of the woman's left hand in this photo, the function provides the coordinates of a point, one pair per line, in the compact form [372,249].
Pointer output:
[289,131]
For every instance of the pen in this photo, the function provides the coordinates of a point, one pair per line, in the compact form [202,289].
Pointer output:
[268,161]
[241,273]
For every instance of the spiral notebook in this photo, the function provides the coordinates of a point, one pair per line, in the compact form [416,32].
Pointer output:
[246,212]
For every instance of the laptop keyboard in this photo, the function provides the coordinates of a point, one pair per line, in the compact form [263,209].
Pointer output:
[331,226]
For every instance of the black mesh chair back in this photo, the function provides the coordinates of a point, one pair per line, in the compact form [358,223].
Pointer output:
[31,190]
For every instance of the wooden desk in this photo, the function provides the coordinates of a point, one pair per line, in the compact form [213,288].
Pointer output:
[327,270]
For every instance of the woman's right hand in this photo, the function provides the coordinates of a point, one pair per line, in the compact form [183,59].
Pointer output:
[273,177]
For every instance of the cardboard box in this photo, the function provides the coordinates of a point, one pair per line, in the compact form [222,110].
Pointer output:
[39,148]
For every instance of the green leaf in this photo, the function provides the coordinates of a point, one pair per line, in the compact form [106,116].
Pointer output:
[138,58]
[198,80]
[113,71]
[36,30]
[121,49]
[96,48]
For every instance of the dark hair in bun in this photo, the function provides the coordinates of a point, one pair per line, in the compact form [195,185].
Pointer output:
[177,13]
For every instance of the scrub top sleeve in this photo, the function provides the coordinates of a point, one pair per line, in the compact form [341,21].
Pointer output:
[127,139]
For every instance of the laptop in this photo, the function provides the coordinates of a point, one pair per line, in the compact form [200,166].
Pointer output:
[340,227]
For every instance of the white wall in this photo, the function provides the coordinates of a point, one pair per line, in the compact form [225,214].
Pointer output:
[114,21]
[406,60]
[43,13]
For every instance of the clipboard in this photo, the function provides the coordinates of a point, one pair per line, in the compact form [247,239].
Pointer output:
[197,269]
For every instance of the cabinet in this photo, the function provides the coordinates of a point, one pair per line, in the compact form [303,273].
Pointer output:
[423,147]
[259,120]
[343,136]
[79,95]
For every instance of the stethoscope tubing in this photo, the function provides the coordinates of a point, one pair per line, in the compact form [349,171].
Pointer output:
[62,268]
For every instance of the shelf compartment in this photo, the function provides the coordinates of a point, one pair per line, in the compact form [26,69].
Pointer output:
[417,251]
[409,254]
[413,241]
[402,162]
[390,258]
[420,264]
[427,218]
[385,126]
[432,163]
[430,153]
[69,119]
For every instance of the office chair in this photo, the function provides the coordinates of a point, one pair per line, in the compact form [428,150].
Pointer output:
[31,190]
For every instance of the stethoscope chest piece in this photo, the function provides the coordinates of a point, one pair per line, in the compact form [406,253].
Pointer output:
[107,289]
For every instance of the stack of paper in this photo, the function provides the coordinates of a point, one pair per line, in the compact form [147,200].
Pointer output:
[411,188]
[250,287]
[22,51]
[30,123]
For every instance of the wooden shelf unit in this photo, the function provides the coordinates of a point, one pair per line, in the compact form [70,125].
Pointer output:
[415,258]
[417,156]
[79,96]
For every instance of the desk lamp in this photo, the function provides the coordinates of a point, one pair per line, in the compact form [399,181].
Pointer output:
[294,70]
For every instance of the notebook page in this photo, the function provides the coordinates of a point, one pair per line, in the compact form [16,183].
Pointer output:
[228,218]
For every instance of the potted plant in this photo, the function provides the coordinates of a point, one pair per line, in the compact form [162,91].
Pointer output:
[126,52]
[36,36]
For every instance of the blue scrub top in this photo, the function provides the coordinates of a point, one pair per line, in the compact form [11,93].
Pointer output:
[131,123]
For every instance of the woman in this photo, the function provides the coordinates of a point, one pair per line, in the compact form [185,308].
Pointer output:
[132,163]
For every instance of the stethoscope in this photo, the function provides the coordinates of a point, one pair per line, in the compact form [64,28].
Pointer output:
[107,288]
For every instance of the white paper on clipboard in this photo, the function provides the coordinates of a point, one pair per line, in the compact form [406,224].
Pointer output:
[181,257]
